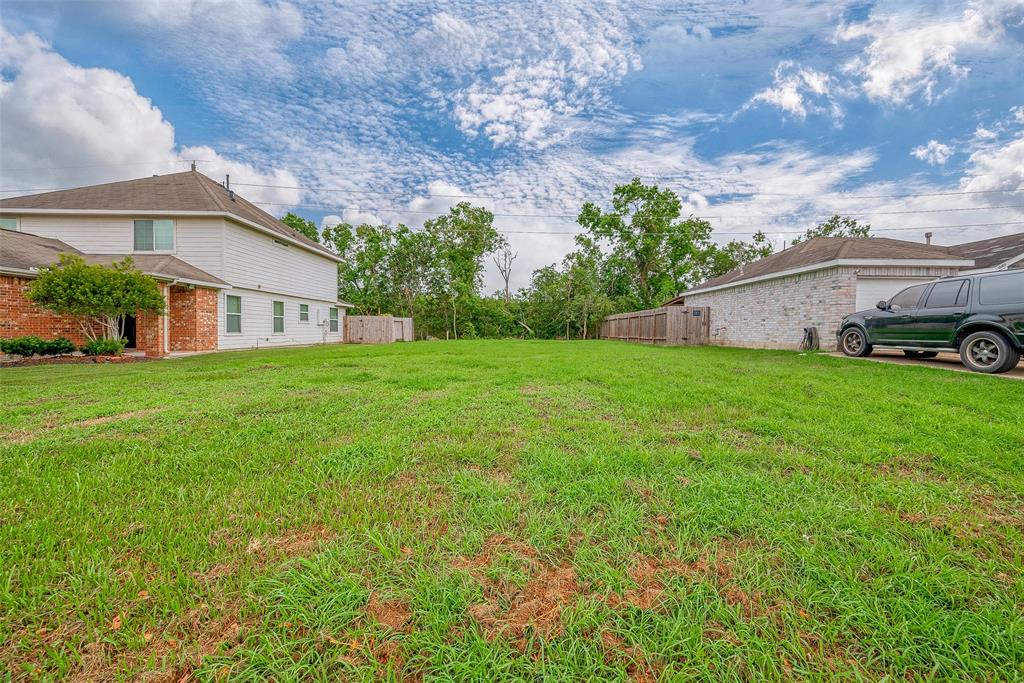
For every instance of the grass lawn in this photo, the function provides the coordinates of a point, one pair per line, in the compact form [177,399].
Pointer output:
[510,510]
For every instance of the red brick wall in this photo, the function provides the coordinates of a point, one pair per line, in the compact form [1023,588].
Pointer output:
[20,317]
[149,331]
[193,324]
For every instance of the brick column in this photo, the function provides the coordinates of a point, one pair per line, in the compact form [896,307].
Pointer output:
[149,331]
[193,323]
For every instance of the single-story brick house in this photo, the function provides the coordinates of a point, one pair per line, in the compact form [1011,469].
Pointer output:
[768,303]
[232,275]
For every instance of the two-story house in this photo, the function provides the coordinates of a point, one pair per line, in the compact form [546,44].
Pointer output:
[233,276]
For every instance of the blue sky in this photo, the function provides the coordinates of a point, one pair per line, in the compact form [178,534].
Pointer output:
[761,114]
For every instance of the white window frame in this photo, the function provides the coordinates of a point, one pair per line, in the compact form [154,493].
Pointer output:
[274,317]
[303,311]
[17,223]
[174,236]
[333,319]
[228,314]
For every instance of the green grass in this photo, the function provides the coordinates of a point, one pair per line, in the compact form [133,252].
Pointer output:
[511,510]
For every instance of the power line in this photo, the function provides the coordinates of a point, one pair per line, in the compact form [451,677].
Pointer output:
[724,233]
[583,198]
[392,209]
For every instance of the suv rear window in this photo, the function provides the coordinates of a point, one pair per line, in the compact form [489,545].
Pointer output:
[1005,288]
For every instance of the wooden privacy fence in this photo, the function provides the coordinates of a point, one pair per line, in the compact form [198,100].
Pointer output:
[668,325]
[377,329]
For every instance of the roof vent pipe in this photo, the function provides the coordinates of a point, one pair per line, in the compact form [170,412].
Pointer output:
[928,238]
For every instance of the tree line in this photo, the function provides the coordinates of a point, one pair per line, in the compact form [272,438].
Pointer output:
[638,254]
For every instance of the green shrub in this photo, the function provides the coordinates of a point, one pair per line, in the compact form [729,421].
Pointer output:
[57,347]
[104,347]
[23,346]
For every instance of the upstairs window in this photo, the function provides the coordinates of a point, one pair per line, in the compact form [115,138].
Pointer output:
[154,235]
[303,313]
[278,317]
[8,223]
[334,319]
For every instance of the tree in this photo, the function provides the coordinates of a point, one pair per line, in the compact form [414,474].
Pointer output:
[837,226]
[303,225]
[456,244]
[101,296]
[503,262]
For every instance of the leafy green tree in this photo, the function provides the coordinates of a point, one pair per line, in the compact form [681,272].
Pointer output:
[100,296]
[456,245]
[303,225]
[837,226]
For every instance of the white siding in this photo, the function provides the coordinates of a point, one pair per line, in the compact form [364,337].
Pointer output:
[252,260]
[200,242]
[257,321]
[90,234]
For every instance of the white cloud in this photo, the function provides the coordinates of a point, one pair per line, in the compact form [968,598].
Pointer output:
[65,125]
[797,90]
[935,153]
[907,55]
[217,34]
[997,167]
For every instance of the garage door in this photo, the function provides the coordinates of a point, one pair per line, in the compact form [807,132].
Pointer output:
[871,290]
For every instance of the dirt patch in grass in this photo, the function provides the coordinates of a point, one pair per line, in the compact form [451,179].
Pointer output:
[639,666]
[263,551]
[537,607]
[395,614]
[105,419]
[511,612]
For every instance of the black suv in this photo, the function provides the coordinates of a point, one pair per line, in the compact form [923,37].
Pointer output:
[979,316]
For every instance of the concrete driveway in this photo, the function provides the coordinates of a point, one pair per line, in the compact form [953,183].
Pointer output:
[945,361]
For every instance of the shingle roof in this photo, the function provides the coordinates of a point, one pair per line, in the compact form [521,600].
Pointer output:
[992,252]
[22,251]
[823,249]
[175,192]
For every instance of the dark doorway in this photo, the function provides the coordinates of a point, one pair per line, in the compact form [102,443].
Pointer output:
[129,331]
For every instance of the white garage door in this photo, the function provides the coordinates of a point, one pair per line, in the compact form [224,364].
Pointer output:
[871,290]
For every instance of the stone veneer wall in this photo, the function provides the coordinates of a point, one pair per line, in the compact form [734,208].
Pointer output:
[772,314]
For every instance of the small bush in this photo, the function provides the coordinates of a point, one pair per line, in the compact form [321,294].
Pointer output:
[23,346]
[104,347]
[57,347]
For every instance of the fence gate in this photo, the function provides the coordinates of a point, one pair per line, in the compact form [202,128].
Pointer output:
[668,325]
[377,329]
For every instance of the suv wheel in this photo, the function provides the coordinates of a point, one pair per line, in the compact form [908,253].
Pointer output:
[988,352]
[919,355]
[854,343]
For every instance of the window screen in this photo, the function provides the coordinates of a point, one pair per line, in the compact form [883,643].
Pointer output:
[233,322]
[278,316]
[154,235]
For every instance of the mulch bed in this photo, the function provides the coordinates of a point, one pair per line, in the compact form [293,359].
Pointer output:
[63,360]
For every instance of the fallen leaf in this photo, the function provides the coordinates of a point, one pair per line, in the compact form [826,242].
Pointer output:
[144,594]
[115,623]
[147,636]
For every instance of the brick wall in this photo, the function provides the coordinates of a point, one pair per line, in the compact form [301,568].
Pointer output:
[20,317]
[773,314]
[193,319]
[149,331]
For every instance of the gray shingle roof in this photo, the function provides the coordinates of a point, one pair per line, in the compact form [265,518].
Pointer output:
[22,251]
[992,252]
[824,249]
[175,192]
